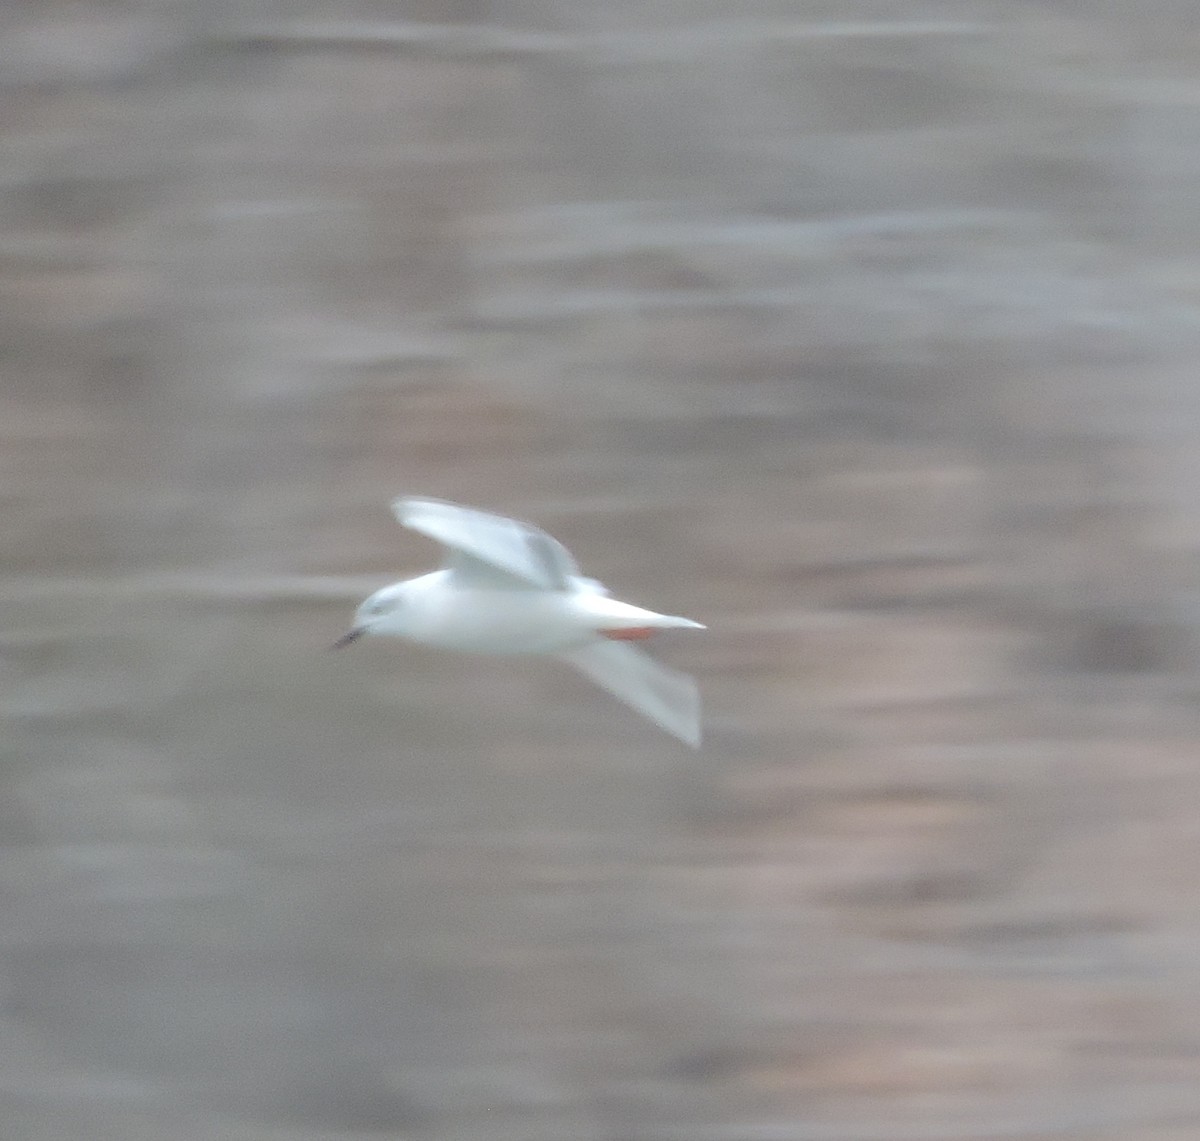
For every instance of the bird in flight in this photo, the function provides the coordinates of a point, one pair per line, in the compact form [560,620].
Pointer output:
[506,587]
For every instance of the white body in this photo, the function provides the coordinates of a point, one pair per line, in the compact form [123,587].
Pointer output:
[508,588]
[437,611]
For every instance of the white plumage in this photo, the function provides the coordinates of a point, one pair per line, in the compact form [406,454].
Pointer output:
[509,588]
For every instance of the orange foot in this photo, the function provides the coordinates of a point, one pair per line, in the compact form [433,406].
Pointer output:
[628,633]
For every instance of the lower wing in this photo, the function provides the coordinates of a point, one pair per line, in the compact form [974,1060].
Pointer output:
[667,697]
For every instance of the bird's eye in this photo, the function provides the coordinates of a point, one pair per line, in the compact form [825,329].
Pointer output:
[377,608]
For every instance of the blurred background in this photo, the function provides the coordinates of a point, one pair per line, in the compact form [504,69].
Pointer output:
[864,331]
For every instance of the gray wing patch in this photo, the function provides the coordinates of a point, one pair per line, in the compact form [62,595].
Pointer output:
[491,548]
[553,559]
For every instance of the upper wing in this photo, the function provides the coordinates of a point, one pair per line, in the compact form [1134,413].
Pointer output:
[490,547]
[669,698]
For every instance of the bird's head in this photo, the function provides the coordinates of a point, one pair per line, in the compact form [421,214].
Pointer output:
[381,613]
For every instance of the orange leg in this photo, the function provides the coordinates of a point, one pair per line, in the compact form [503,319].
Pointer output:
[628,633]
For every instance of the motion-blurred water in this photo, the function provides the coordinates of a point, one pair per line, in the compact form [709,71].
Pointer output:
[864,332]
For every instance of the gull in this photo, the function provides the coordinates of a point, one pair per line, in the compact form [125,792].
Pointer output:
[506,587]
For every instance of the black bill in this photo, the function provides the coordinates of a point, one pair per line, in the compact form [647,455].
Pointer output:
[348,637]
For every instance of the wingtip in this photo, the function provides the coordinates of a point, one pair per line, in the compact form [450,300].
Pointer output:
[403,504]
[690,734]
[400,507]
[408,508]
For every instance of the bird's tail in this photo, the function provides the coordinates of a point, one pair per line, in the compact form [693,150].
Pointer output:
[674,622]
[605,614]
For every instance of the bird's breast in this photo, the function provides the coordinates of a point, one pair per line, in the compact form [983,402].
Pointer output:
[499,622]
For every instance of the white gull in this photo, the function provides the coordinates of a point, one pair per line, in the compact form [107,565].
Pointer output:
[508,588]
